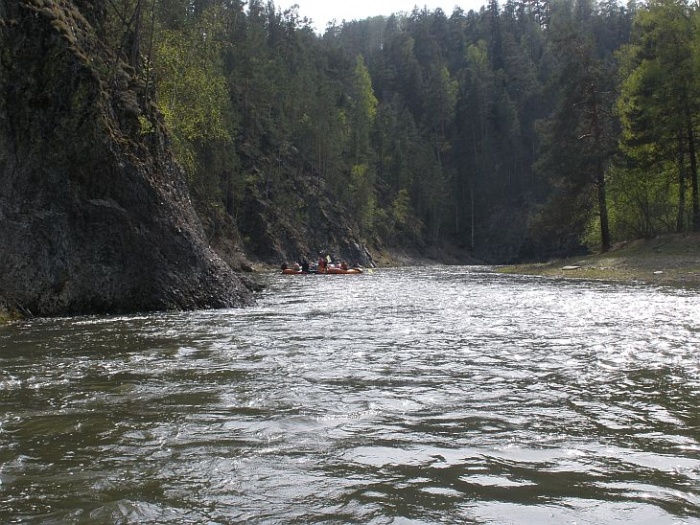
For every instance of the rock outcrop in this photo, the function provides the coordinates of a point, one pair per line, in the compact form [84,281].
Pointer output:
[95,215]
[321,226]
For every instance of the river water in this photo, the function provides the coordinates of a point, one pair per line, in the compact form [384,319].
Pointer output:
[404,396]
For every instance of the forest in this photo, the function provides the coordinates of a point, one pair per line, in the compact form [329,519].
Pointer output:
[524,131]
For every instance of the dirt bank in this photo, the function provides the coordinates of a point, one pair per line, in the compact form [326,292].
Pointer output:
[666,260]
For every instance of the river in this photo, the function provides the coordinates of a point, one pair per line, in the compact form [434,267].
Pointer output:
[402,396]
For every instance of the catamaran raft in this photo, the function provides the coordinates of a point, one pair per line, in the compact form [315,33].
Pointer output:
[324,267]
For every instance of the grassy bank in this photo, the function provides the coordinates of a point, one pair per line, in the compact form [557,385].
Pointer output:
[666,260]
[6,317]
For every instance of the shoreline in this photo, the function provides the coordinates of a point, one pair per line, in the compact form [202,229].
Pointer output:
[668,260]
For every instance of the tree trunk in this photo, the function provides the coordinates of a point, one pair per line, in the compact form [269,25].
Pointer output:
[473,218]
[693,171]
[603,212]
[600,175]
[136,43]
[680,218]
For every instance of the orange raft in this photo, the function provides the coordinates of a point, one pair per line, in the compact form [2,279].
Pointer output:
[327,271]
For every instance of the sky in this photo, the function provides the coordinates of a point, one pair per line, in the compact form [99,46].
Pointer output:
[323,11]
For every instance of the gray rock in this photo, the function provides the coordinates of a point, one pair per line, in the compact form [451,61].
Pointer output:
[95,215]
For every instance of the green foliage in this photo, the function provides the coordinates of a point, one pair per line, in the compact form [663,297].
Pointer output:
[364,111]
[362,179]
[192,90]
[642,203]
[492,129]
[657,107]
[363,201]
[400,209]
[577,138]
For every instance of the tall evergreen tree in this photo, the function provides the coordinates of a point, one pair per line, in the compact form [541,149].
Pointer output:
[577,141]
[660,98]
[362,179]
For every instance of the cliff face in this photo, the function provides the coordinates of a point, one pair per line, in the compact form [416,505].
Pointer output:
[309,225]
[95,215]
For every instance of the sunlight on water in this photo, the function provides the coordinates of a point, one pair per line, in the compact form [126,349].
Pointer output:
[426,395]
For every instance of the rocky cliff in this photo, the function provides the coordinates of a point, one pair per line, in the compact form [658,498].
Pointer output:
[95,215]
[307,224]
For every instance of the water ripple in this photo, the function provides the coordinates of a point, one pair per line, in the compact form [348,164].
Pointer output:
[427,395]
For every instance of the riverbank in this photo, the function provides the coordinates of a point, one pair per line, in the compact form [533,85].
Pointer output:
[666,260]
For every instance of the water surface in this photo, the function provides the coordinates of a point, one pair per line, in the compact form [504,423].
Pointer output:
[409,396]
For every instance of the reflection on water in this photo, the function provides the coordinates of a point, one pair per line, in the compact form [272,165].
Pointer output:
[431,395]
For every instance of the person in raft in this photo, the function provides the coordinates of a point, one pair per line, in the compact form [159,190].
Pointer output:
[322,264]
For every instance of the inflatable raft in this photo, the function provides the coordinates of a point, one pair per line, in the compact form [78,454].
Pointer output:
[328,271]
[342,271]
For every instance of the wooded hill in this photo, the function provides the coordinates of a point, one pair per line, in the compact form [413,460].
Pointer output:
[523,131]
